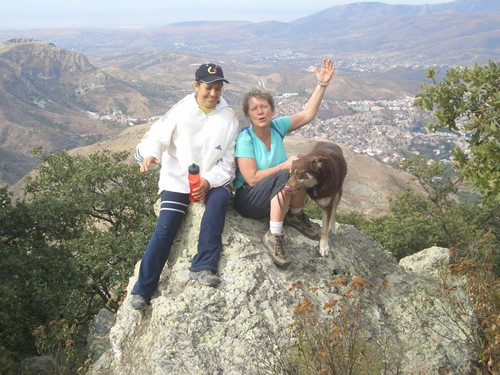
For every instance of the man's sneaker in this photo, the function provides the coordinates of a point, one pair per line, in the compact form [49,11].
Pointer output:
[302,223]
[138,302]
[275,245]
[205,277]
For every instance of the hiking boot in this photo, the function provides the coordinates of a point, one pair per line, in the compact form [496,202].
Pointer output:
[205,277]
[275,245]
[302,223]
[138,302]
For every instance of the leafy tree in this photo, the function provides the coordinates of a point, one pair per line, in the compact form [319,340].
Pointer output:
[101,215]
[468,100]
[36,277]
[409,228]
[418,221]
[70,247]
[438,187]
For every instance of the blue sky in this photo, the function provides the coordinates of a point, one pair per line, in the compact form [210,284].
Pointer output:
[26,14]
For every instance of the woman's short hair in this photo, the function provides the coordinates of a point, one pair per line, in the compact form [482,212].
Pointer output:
[257,93]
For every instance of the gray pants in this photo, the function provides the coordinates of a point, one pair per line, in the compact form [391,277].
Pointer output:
[255,201]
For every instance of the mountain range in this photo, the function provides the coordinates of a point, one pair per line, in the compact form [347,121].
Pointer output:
[65,88]
[55,99]
[458,32]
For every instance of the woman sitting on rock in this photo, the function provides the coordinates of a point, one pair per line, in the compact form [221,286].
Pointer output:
[263,166]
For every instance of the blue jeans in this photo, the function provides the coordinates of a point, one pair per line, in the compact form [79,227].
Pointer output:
[173,208]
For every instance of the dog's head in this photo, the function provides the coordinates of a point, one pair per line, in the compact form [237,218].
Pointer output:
[305,172]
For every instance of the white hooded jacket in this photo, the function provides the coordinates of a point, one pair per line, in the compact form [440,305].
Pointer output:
[186,135]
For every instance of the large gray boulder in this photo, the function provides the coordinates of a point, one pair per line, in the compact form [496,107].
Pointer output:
[243,326]
[98,338]
[432,261]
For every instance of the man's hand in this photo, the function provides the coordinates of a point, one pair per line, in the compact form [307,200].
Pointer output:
[199,192]
[146,163]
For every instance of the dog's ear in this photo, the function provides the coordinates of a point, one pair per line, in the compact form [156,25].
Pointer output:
[317,162]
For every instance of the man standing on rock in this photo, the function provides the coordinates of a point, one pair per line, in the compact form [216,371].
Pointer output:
[199,129]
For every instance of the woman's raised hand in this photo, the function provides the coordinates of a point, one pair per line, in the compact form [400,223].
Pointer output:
[326,73]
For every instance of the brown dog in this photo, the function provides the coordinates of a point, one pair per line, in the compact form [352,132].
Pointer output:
[322,173]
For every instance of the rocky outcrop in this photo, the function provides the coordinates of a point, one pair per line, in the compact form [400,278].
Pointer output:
[98,338]
[429,261]
[243,326]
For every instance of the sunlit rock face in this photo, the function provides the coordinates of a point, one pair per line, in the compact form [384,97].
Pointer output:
[245,325]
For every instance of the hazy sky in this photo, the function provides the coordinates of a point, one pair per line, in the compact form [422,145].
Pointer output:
[25,14]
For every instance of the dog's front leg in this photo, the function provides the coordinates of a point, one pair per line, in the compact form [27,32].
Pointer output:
[326,214]
[333,215]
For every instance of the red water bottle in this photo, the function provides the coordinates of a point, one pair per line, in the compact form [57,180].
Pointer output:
[194,180]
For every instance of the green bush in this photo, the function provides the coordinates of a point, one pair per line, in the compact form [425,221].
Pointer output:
[69,249]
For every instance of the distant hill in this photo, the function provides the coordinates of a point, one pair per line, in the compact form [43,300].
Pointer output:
[46,94]
[47,89]
[460,32]
[444,33]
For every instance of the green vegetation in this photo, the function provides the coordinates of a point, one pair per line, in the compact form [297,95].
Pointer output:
[468,100]
[438,218]
[68,251]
